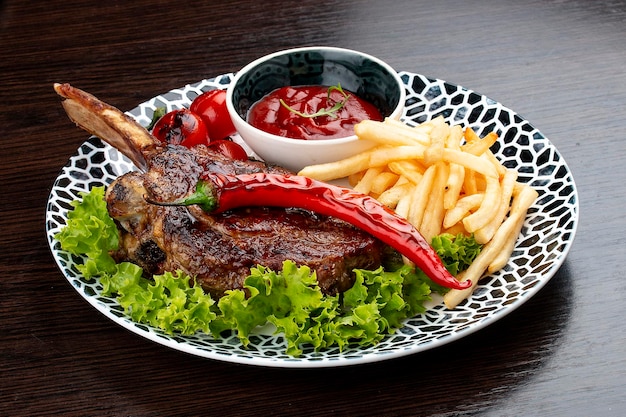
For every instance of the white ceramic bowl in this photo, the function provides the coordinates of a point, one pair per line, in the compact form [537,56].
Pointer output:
[366,76]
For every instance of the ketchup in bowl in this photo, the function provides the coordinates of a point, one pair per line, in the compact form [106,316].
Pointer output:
[311,112]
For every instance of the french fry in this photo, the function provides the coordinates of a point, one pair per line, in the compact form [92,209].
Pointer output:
[473,162]
[487,208]
[365,184]
[439,120]
[433,217]
[457,172]
[389,134]
[491,250]
[455,229]
[353,179]
[519,209]
[469,182]
[413,170]
[481,183]
[461,209]
[339,169]
[392,196]
[404,205]
[453,140]
[385,155]
[454,186]
[438,136]
[456,175]
[470,136]
[480,146]
[501,169]
[485,233]
[419,197]
[383,182]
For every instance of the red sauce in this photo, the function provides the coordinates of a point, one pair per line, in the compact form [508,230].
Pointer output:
[269,115]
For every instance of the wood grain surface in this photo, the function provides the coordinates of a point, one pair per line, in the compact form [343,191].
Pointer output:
[560,64]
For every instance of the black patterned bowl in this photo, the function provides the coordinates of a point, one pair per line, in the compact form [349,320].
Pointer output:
[364,75]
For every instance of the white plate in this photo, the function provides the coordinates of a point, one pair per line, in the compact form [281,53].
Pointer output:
[541,249]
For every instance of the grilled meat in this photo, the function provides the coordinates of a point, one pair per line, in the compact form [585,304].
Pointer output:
[218,250]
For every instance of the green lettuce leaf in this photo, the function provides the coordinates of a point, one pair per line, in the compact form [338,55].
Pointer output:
[292,301]
[456,252]
[90,231]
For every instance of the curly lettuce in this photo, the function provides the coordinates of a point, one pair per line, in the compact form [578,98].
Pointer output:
[456,252]
[290,299]
[91,232]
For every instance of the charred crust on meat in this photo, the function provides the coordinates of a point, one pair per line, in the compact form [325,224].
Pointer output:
[150,255]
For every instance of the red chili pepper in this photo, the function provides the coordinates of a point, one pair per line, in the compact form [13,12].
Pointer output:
[216,193]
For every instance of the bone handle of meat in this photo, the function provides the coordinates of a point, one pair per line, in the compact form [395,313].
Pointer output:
[108,123]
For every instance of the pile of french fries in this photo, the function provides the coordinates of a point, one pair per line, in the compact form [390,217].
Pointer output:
[442,179]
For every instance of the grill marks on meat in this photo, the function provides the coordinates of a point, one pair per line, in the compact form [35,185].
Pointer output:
[219,250]
[222,253]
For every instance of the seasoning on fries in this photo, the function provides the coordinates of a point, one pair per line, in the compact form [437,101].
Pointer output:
[443,179]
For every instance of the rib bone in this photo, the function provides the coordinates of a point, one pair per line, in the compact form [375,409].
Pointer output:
[109,124]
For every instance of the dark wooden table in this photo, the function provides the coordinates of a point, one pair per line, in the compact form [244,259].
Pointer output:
[560,64]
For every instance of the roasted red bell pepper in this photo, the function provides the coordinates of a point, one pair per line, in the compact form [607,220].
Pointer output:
[217,193]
